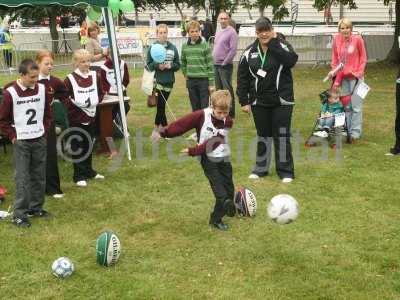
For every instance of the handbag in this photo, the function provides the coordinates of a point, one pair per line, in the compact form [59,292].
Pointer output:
[148,81]
[152,100]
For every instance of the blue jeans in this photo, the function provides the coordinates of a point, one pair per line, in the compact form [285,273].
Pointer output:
[355,117]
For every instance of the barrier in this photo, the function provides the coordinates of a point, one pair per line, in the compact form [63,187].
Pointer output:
[312,49]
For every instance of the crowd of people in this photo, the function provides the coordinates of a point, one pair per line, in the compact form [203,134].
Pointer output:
[264,89]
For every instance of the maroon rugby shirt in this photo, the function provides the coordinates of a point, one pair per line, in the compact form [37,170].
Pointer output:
[7,114]
[195,120]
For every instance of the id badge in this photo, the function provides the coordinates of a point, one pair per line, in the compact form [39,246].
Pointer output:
[261,73]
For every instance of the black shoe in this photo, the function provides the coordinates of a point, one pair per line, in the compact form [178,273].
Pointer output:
[39,213]
[220,225]
[395,151]
[229,208]
[21,222]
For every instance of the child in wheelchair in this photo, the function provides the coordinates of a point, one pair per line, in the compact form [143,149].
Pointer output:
[331,107]
[331,122]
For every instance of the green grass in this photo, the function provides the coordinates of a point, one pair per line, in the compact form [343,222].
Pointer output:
[344,245]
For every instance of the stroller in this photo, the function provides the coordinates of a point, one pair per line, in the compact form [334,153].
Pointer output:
[334,129]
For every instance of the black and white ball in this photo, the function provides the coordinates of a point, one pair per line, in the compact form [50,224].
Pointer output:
[245,202]
[283,209]
[62,267]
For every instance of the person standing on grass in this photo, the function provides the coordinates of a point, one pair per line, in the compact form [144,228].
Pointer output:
[197,67]
[85,92]
[57,90]
[350,57]
[98,54]
[395,150]
[212,125]
[225,47]
[25,118]
[265,88]
[164,74]
[6,43]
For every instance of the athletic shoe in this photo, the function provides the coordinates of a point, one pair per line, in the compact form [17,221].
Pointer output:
[254,176]
[58,196]
[21,222]
[393,151]
[81,183]
[38,213]
[229,208]
[321,134]
[99,176]
[220,225]
[287,180]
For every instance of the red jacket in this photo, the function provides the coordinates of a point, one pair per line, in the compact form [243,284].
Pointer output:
[353,52]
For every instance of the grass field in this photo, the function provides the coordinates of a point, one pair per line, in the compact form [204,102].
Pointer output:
[344,245]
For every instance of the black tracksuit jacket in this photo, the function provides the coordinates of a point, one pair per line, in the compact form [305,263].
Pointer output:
[276,88]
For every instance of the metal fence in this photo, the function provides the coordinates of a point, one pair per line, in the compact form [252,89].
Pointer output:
[312,49]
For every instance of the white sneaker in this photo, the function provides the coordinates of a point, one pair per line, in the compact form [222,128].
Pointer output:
[99,176]
[82,183]
[254,176]
[322,134]
[287,180]
[58,196]
[192,137]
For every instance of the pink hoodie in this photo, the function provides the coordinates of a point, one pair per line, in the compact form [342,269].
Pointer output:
[352,53]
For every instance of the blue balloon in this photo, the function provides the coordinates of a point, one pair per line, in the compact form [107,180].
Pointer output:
[158,53]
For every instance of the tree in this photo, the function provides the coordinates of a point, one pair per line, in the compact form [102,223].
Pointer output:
[51,12]
[279,10]
[393,56]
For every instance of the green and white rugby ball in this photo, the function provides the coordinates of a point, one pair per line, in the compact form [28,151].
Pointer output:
[108,248]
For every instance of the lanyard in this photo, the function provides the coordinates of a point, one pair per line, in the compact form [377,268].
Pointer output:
[262,57]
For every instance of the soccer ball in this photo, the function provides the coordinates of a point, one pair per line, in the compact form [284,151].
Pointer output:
[62,267]
[108,248]
[283,209]
[245,202]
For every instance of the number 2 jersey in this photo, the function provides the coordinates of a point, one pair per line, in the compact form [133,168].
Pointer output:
[25,113]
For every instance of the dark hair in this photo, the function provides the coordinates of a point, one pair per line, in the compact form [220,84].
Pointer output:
[263,24]
[27,65]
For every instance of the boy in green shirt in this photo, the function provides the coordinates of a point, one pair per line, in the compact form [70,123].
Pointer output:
[197,67]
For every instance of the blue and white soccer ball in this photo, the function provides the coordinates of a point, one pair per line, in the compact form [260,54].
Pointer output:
[62,267]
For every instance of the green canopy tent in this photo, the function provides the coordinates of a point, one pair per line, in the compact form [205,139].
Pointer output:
[112,41]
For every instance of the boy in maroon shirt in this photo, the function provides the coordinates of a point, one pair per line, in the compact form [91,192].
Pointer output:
[212,126]
[25,118]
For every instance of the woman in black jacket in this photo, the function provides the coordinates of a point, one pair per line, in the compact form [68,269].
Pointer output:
[265,86]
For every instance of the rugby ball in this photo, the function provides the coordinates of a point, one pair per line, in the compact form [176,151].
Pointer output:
[108,248]
[245,202]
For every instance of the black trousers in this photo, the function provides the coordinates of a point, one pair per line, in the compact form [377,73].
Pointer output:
[198,92]
[162,98]
[274,123]
[397,122]
[223,80]
[7,55]
[219,174]
[81,139]
[52,174]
